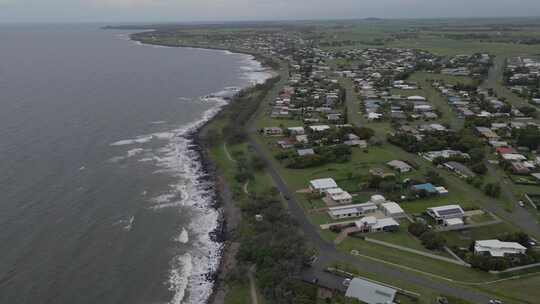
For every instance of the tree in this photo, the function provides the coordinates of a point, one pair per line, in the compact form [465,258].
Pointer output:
[529,137]
[479,168]
[433,240]
[388,185]
[493,189]
[364,133]
[528,110]
[258,163]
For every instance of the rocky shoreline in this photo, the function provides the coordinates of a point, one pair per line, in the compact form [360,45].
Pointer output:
[230,215]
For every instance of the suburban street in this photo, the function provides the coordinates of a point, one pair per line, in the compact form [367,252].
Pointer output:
[329,254]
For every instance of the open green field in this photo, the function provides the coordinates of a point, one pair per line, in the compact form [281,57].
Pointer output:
[422,264]
[523,290]
[465,237]
[443,37]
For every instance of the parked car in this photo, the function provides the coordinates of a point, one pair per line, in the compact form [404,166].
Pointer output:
[521,204]
[346,282]
[495,302]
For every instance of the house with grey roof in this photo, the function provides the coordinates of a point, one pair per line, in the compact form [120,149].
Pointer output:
[370,293]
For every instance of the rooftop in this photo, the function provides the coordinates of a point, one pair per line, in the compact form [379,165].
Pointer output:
[369,292]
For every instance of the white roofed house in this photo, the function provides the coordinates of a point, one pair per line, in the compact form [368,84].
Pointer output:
[496,248]
[393,210]
[447,215]
[356,143]
[303,139]
[305,152]
[296,130]
[319,128]
[416,98]
[370,293]
[400,166]
[347,211]
[374,116]
[333,117]
[420,107]
[322,184]
[373,224]
[338,196]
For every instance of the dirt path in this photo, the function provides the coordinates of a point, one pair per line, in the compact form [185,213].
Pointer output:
[227,153]
[252,288]
[246,191]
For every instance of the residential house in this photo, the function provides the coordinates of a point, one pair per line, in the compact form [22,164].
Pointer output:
[497,248]
[369,292]
[348,211]
[338,196]
[460,169]
[322,184]
[273,131]
[400,166]
[296,130]
[444,213]
[373,224]
[305,152]
[393,210]
[319,128]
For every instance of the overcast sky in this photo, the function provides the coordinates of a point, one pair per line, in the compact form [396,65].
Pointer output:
[212,10]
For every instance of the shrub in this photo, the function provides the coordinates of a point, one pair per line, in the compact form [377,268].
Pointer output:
[417,229]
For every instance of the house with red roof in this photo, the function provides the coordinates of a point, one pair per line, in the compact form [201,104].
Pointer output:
[505,150]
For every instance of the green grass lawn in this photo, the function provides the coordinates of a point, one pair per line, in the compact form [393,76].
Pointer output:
[411,260]
[238,294]
[465,237]
[523,290]
[404,238]
[360,163]
[481,218]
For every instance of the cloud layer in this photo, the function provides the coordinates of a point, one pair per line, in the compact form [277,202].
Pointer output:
[208,10]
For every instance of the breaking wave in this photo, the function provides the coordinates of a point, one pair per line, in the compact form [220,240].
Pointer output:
[177,157]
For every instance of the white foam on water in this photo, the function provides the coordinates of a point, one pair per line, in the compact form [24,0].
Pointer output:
[179,159]
[134,152]
[253,71]
[129,224]
[188,273]
[146,159]
[137,140]
[188,278]
[163,198]
[183,237]
[181,268]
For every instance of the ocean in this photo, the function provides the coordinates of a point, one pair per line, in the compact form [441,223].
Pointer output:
[103,198]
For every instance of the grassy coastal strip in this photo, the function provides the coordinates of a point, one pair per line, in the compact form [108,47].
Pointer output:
[264,240]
